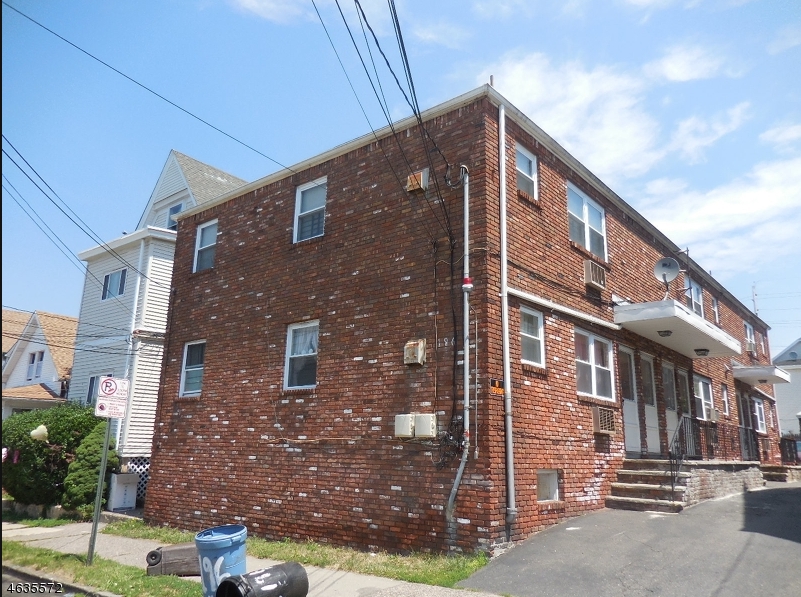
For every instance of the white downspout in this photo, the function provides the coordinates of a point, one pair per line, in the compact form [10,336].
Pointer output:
[467,288]
[511,508]
[128,373]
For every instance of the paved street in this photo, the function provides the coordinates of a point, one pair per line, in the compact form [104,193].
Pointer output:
[748,544]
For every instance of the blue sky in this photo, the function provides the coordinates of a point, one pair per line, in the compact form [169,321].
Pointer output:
[690,110]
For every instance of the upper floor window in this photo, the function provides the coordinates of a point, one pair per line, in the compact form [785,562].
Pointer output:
[172,223]
[531,337]
[703,397]
[301,355]
[750,338]
[724,395]
[192,370]
[310,209]
[593,365]
[526,171]
[695,298]
[716,309]
[205,246]
[114,284]
[35,361]
[587,222]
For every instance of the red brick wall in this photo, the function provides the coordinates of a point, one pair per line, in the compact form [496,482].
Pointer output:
[324,463]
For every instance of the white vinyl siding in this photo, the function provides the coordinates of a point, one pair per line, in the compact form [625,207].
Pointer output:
[310,202]
[137,432]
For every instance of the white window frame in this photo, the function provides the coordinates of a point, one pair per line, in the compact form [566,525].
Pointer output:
[716,309]
[539,339]
[35,362]
[724,395]
[112,288]
[648,389]
[172,224]
[93,388]
[199,248]
[298,214]
[749,332]
[704,403]
[289,335]
[695,297]
[759,414]
[185,369]
[584,218]
[547,485]
[594,367]
[683,390]
[669,389]
[533,176]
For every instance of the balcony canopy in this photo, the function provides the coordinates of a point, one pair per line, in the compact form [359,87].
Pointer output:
[761,375]
[676,327]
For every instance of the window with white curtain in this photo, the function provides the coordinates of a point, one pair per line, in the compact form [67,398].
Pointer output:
[301,355]
[310,202]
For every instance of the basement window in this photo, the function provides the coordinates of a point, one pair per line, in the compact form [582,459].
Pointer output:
[547,485]
[310,209]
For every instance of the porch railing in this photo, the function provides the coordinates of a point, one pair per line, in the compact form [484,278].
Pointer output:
[789,450]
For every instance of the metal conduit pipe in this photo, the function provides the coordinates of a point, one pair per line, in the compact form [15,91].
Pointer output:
[511,508]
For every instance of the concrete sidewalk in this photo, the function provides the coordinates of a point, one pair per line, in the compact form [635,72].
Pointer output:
[74,538]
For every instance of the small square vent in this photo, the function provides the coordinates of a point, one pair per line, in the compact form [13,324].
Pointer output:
[594,275]
[414,353]
[603,420]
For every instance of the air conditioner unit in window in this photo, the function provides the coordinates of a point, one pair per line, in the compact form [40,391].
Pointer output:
[750,347]
[714,415]
[594,275]
[603,420]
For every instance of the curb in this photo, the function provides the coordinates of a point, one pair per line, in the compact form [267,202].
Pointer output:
[33,575]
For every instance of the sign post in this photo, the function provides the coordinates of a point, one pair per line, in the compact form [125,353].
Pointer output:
[112,401]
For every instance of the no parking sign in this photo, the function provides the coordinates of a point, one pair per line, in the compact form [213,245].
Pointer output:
[112,398]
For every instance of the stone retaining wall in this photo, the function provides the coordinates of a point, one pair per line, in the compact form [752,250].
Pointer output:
[713,479]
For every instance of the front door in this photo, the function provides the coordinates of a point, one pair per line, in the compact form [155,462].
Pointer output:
[631,416]
[671,412]
[649,398]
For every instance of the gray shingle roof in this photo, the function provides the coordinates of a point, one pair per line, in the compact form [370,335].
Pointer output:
[206,182]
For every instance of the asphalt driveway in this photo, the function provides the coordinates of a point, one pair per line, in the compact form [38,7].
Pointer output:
[744,545]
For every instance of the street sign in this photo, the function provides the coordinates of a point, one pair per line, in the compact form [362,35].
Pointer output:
[496,387]
[112,398]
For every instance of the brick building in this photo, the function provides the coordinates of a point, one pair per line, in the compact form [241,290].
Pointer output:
[312,307]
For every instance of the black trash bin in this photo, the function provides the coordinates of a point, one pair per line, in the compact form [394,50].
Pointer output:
[284,580]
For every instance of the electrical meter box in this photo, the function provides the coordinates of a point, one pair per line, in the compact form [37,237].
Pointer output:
[414,353]
[404,425]
[425,425]
[122,491]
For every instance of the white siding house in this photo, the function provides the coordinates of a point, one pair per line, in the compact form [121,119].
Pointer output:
[788,396]
[125,300]
[36,370]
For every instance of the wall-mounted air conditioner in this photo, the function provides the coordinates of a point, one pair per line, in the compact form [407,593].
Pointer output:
[603,420]
[714,415]
[750,347]
[404,425]
[594,275]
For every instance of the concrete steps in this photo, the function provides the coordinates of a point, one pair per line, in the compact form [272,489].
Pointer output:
[645,484]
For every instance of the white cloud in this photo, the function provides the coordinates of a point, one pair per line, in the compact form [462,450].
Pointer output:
[694,134]
[685,63]
[596,114]
[786,38]
[501,9]
[740,226]
[441,33]
[279,11]
[286,11]
[782,137]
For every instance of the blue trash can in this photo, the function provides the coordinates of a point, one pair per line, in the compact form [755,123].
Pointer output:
[221,553]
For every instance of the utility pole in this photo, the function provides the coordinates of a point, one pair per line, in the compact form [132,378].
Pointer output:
[753,298]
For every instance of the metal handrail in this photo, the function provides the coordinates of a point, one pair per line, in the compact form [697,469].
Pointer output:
[676,453]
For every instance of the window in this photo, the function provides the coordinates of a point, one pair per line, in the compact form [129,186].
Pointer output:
[310,209]
[716,309]
[724,395]
[531,337]
[625,367]
[593,365]
[703,398]
[547,485]
[587,222]
[759,415]
[684,391]
[192,371]
[301,355]
[648,381]
[172,223]
[35,362]
[94,386]
[526,171]
[695,298]
[205,246]
[114,284]
[669,386]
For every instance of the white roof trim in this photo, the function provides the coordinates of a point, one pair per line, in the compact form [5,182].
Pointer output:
[121,242]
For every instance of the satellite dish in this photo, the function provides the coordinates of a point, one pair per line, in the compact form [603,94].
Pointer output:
[666,269]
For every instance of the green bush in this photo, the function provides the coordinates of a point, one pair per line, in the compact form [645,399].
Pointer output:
[80,485]
[34,472]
